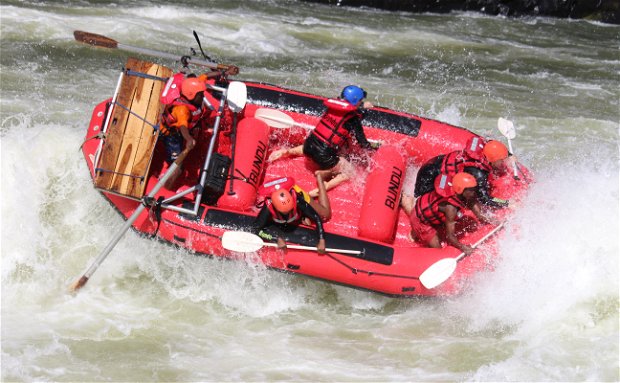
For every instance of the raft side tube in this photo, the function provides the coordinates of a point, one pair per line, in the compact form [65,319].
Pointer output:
[381,203]
[252,143]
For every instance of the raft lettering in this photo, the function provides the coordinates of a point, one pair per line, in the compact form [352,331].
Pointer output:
[391,199]
[257,164]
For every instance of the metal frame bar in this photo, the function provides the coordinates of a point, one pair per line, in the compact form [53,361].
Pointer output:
[203,176]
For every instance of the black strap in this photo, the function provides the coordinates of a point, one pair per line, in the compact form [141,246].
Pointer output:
[155,207]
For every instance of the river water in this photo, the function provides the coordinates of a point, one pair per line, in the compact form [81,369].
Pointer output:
[547,312]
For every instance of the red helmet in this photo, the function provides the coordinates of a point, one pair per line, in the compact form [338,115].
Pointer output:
[191,86]
[462,181]
[474,147]
[282,201]
[495,151]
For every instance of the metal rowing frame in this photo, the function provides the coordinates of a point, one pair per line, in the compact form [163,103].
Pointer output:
[203,177]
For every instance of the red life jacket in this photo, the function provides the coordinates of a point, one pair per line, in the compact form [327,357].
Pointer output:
[198,116]
[171,96]
[330,128]
[427,208]
[292,216]
[456,162]
[272,185]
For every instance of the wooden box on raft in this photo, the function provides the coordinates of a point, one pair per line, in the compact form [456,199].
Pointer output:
[130,136]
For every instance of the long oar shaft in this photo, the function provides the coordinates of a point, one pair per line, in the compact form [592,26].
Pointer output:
[119,234]
[106,42]
[478,242]
[301,247]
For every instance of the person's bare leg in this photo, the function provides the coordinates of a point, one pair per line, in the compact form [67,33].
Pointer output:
[337,180]
[341,172]
[322,206]
[407,203]
[284,153]
[434,242]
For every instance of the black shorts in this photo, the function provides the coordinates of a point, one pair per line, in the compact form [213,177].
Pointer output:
[325,156]
[174,145]
[425,180]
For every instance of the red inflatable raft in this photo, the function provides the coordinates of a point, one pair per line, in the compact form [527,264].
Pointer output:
[214,196]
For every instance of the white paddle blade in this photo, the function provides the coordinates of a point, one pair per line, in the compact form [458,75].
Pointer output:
[275,118]
[438,273]
[241,241]
[237,96]
[506,128]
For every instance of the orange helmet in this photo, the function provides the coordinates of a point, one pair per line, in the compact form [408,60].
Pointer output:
[462,181]
[495,151]
[191,86]
[282,201]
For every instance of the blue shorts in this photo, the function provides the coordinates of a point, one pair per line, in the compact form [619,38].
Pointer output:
[174,145]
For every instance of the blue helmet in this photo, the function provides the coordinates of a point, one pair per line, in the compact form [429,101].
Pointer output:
[353,94]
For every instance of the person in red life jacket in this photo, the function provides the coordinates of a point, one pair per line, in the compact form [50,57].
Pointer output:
[327,141]
[479,158]
[288,206]
[188,106]
[439,210]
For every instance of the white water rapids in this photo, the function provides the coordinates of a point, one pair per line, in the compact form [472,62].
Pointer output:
[547,312]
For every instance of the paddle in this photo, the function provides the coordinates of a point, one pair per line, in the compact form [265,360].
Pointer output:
[244,242]
[239,93]
[440,271]
[278,119]
[106,42]
[119,234]
[507,129]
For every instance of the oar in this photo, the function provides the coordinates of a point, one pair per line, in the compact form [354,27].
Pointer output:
[244,242]
[106,42]
[278,119]
[440,271]
[507,129]
[236,105]
[119,234]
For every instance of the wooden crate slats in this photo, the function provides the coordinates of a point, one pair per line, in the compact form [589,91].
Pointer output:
[148,138]
[116,129]
[128,150]
[133,132]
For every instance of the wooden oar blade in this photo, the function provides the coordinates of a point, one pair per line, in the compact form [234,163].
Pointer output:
[94,39]
[438,273]
[78,284]
[506,128]
[241,242]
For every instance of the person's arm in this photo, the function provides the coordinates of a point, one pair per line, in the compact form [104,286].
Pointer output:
[450,224]
[354,125]
[475,208]
[308,211]
[190,142]
[182,115]
[261,220]
[482,178]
